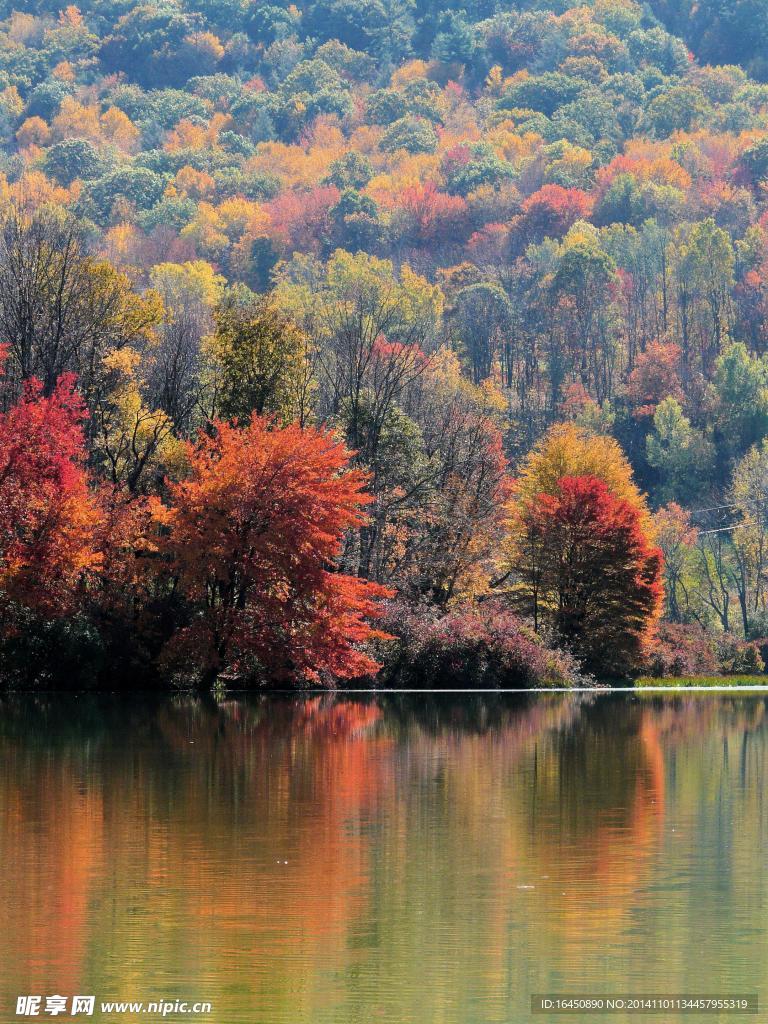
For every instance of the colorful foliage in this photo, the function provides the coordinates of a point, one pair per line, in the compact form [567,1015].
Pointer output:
[253,534]
[49,517]
[586,566]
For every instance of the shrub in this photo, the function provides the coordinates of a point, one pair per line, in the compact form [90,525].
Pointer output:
[687,650]
[737,656]
[67,653]
[682,651]
[480,646]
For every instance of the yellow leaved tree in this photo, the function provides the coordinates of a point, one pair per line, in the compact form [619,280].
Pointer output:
[134,444]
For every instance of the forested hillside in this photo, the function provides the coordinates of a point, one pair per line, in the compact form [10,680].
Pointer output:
[492,279]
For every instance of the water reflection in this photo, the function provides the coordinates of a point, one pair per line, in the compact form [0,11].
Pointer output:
[390,859]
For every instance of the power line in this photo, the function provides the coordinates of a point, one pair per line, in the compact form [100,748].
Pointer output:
[755,505]
[712,508]
[734,526]
[735,504]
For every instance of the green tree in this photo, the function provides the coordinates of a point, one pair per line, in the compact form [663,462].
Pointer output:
[680,453]
[148,43]
[414,134]
[741,385]
[137,185]
[261,362]
[677,109]
[352,170]
[545,92]
[73,158]
[482,318]
[703,262]
[581,287]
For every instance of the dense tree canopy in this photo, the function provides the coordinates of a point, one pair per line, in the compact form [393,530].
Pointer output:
[472,243]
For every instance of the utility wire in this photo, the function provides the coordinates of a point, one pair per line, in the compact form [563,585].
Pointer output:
[734,526]
[755,506]
[735,504]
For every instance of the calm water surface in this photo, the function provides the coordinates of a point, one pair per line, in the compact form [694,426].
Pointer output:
[393,859]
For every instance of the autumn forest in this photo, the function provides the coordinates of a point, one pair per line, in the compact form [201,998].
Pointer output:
[399,341]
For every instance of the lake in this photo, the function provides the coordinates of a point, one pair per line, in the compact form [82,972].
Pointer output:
[405,859]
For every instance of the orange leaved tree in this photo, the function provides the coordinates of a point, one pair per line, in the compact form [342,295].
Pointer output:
[47,514]
[254,532]
[585,564]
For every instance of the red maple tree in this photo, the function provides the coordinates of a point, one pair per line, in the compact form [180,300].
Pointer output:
[47,513]
[254,533]
[656,376]
[431,215]
[551,211]
[587,565]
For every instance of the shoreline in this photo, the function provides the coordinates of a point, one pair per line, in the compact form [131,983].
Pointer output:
[383,691]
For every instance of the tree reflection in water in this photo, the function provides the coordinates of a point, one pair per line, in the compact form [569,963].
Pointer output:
[396,857]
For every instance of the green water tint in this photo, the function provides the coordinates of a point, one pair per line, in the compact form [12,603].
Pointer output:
[409,860]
